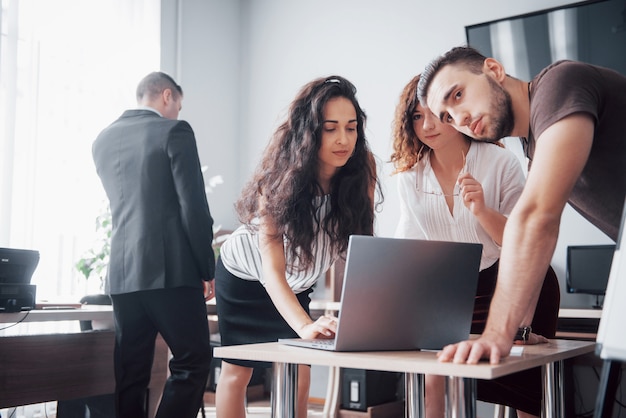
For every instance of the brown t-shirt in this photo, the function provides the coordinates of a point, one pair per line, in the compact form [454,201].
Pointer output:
[568,87]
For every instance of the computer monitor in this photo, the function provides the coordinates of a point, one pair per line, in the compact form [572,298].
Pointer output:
[17,265]
[589,31]
[588,267]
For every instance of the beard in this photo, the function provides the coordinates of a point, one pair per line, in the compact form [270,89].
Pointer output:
[502,109]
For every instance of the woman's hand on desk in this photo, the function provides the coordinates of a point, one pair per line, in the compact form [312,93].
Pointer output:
[324,327]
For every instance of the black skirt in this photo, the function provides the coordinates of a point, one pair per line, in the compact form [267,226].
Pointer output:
[247,315]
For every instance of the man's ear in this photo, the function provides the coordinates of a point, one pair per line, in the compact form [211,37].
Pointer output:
[166,95]
[493,68]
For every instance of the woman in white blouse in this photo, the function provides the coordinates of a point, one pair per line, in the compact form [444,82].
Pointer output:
[454,189]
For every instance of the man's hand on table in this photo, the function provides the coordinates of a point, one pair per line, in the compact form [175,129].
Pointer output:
[490,345]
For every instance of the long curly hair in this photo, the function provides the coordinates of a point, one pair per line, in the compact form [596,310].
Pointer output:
[287,177]
[407,147]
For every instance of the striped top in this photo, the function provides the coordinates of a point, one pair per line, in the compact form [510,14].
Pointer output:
[241,256]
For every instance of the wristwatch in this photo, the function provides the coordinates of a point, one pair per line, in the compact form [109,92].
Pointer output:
[523,334]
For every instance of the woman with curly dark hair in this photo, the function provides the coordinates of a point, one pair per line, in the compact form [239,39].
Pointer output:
[313,188]
[452,188]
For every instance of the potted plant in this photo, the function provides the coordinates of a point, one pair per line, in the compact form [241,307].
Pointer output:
[93,264]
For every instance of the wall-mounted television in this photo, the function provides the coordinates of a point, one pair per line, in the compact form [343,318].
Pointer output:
[589,31]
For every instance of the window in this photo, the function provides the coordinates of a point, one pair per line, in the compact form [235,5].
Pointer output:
[68,68]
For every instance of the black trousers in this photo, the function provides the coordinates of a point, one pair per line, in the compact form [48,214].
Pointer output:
[101,406]
[179,315]
[522,390]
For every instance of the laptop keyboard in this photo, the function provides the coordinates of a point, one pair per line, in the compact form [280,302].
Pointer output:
[324,342]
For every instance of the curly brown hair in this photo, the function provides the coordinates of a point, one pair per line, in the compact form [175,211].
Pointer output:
[287,177]
[406,144]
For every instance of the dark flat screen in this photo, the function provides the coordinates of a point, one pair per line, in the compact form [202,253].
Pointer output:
[590,31]
[17,266]
[588,268]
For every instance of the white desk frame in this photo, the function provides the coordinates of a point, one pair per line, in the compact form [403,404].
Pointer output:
[460,379]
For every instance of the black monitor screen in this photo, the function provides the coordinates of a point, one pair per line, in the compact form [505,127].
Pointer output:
[588,268]
[590,31]
[17,266]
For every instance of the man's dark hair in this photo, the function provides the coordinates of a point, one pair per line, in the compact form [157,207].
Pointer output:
[154,83]
[465,56]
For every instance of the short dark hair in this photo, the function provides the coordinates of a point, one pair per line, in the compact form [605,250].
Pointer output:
[154,83]
[466,56]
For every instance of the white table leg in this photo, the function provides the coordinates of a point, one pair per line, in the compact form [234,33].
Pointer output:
[284,390]
[460,397]
[553,379]
[414,395]
[331,403]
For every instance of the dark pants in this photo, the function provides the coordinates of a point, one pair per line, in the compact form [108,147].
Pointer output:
[179,315]
[522,390]
[92,407]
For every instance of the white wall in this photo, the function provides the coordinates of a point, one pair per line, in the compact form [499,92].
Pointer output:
[200,43]
[242,62]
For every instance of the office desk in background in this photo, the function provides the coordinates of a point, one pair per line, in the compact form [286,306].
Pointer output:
[578,323]
[460,381]
[84,313]
[40,367]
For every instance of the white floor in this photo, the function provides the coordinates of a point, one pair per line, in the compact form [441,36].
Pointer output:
[261,409]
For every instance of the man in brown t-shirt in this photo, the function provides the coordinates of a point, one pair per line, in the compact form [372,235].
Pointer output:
[572,123]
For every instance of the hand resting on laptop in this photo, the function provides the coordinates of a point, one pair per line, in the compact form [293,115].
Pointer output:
[324,327]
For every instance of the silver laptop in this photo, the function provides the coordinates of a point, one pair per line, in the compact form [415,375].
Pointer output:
[403,294]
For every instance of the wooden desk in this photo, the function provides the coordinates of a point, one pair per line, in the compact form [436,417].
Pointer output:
[41,368]
[85,313]
[580,313]
[460,381]
[578,324]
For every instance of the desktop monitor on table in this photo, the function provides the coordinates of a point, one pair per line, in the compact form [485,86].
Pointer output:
[587,269]
[16,270]
[17,266]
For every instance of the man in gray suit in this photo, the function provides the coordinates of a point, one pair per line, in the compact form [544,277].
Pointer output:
[162,263]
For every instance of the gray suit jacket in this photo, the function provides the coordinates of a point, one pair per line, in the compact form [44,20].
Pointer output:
[162,226]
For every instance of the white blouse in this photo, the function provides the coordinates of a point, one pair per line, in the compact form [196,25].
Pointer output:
[424,213]
[241,256]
